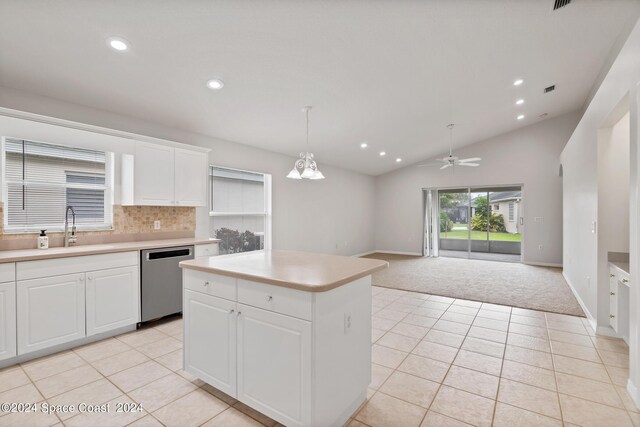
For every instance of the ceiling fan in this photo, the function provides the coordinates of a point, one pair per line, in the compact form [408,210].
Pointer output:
[451,160]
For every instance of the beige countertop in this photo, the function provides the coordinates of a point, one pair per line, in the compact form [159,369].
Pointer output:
[622,266]
[298,270]
[61,252]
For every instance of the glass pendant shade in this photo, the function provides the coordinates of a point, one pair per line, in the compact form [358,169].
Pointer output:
[317,175]
[294,174]
[308,173]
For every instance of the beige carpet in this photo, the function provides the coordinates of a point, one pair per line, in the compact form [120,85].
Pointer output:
[514,284]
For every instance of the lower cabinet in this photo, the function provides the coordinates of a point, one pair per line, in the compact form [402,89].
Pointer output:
[113,299]
[210,339]
[274,363]
[51,311]
[260,357]
[7,320]
[613,300]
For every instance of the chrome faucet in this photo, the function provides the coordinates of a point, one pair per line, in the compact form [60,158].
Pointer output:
[69,240]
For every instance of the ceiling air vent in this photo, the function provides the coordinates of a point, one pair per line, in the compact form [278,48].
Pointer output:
[549,88]
[557,4]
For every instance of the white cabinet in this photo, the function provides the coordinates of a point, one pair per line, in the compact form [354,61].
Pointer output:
[7,320]
[190,177]
[158,175]
[207,249]
[113,299]
[613,300]
[210,339]
[153,175]
[301,358]
[274,364]
[51,311]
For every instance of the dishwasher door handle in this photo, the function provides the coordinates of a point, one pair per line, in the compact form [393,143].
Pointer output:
[172,253]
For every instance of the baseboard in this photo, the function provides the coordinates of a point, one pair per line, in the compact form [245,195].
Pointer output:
[398,253]
[592,321]
[607,331]
[363,254]
[634,392]
[543,264]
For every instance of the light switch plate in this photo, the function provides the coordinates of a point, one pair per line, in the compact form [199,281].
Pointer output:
[156,225]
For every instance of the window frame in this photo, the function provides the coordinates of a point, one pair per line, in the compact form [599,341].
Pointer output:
[267,202]
[512,211]
[108,193]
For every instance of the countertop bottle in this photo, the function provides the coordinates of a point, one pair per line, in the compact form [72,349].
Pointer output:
[43,240]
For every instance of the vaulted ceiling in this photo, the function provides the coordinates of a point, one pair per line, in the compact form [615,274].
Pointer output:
[392,74]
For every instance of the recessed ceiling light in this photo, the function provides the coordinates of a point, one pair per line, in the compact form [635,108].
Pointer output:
[383,153]
[520,117]
[518,82]
[520,102]
[364,145]
[398,160]
[118,44]
[215,84]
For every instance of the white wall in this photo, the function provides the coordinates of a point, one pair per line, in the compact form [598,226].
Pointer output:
[527,156]
[580,201]
[335,215]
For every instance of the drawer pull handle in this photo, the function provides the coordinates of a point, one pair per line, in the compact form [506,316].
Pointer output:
[611,316]
[231,311]
[269,298]
[612,275]
[206,283]
[625,281]
[612,293]
[239,313]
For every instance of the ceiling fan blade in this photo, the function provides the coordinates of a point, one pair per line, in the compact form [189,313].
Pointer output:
[428,164]
[471,159]
[469,164]
[448,165]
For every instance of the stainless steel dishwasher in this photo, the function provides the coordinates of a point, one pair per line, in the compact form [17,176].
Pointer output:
[161,281]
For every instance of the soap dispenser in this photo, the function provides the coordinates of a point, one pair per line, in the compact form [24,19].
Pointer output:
[43,240]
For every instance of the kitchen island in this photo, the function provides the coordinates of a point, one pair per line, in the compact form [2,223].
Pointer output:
[287,333]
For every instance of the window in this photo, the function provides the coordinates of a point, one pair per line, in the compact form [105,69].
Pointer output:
[511,211]
[240,205]
[41,180]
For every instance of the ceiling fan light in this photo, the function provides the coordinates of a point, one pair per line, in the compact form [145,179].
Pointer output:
[294,174]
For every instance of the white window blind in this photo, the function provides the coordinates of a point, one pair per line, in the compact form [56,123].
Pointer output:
[42,179]
[238,208]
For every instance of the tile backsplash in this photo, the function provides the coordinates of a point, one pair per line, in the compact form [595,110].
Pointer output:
[129,223]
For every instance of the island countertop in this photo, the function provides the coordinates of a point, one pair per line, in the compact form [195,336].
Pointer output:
[304,271]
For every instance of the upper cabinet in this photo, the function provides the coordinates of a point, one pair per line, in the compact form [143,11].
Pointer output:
[158,175]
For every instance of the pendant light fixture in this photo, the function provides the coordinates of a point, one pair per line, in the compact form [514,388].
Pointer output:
[305,167]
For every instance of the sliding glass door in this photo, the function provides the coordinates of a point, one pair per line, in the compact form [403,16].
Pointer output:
[474,222]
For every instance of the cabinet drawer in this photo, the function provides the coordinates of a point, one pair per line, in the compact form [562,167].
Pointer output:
[211,284]
[8,272]
[291,302]
[210,249]
[76,264]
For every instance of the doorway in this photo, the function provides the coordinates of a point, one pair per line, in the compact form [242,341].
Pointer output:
[475,223]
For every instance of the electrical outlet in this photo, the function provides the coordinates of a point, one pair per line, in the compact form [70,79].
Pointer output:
[156,225]
[347,323]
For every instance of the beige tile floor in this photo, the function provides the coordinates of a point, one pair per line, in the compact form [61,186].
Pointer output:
[436,362]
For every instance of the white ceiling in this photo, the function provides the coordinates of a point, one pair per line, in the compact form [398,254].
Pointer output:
[391,73]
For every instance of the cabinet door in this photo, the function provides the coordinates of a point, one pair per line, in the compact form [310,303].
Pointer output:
[7,320]
[190,178]
[50,311]
[153,175]
[210,340]
[274,364]
[113,299]
[613,300]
